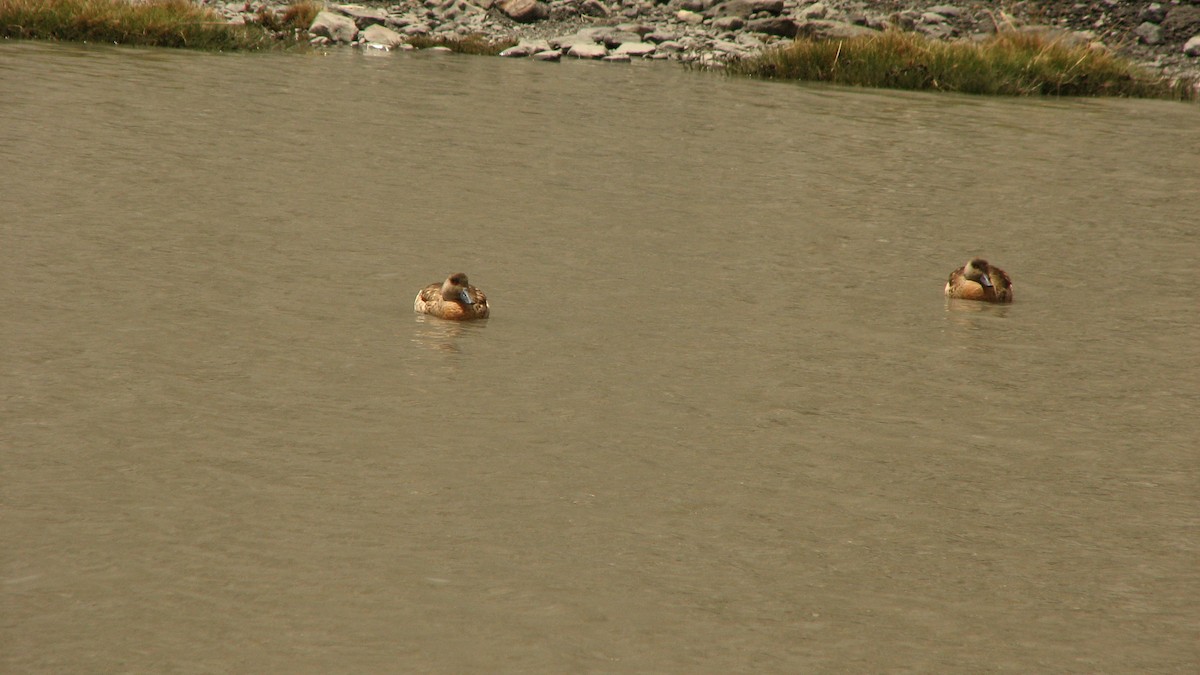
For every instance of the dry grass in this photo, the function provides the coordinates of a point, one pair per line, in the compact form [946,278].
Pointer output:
[297,15]
[1010,63]
[164,23]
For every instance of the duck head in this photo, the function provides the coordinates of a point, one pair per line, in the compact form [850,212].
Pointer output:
[977,270]
[455,289]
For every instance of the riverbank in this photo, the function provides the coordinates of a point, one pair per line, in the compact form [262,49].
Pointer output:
[1159,38]
[1153,35]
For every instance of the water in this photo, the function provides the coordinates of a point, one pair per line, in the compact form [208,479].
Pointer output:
[722,419]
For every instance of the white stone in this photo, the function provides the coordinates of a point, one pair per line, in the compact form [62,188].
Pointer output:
[1192,46]
[381,35]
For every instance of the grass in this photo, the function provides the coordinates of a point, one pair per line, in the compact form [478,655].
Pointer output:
[163,23]
[182,23]
[1009,64]
[297,15]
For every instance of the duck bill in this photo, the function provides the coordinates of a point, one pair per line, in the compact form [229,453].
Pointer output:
[465,297]
[985,281]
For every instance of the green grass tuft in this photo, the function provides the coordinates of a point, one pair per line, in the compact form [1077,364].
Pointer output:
[164,23]
[1010,63]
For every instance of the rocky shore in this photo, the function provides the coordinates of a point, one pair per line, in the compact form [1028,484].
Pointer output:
[1162,36]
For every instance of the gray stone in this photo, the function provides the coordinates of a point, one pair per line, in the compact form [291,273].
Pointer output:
[526,48]
[659,36]
[832,30]
[610,37]
[817,10]
[727,47]
[336,27]
[381,35]
[690,18]
[776,25]
[948,11]
[565,42]
[1154,13]
[1149,33]
[548,55]
[640,29]
[729,23]
[363,16]
[1182,21]
[594,8]
[745,8]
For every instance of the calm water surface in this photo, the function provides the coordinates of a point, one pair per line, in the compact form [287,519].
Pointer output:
[722,419]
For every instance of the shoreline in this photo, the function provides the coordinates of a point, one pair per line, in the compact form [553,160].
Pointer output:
[1152,35]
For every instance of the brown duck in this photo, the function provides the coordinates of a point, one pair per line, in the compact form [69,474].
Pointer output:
[977,280]
[453,299]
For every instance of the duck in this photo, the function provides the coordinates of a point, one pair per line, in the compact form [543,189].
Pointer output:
[979,280]
[455,299]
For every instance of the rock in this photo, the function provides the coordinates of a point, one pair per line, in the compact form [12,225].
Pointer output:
[1192,46]
[745,8]
[659,36]
[336,27]
[832,30]
[776,25]
[594,8]
[727,47]
[522,49]
[640,29]
[617,58]
[729,23]
[581,50]
[363,16]
[381,35]
[1154,13]
[1182,22]
[610,37]
[948,11]
[817,10]
[548,55]
[636,48]
[1149,33]
[689,17]
[524,11]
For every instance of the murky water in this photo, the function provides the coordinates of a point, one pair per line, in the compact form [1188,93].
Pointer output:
[722,419]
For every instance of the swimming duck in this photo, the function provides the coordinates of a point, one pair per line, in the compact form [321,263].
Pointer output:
[452,299]
[977,280]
